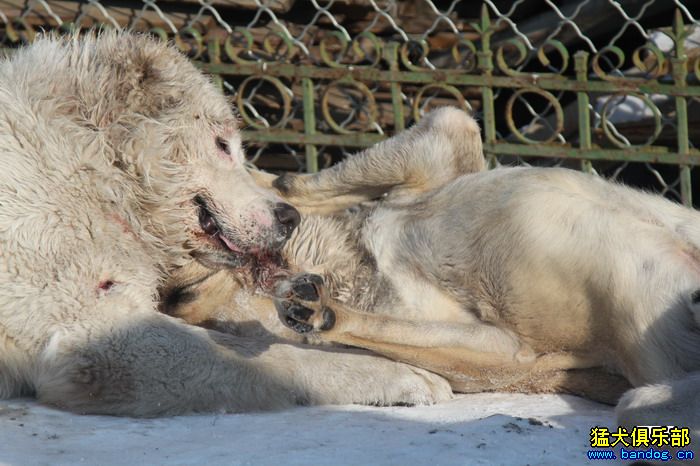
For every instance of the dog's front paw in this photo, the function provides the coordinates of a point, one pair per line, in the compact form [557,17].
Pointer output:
[414,386]
[300,304]
[303,319]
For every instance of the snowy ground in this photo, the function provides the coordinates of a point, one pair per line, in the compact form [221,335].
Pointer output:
[493,429]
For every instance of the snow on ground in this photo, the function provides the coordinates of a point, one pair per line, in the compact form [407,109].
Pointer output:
[480,429]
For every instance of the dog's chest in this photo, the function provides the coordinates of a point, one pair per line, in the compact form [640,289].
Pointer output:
[381,236]
[419,299]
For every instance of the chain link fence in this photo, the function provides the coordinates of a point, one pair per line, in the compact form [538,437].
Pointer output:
[600,85]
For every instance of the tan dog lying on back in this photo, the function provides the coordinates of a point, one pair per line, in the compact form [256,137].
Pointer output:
[516,278]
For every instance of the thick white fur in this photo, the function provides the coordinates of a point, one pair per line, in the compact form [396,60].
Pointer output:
[104,143]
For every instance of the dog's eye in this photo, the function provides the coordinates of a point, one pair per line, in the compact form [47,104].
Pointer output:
[222,145]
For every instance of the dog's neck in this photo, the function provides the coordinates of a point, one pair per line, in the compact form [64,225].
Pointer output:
[333,247]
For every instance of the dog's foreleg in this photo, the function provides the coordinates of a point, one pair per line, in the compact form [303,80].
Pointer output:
[156,365]
[445,144]
[473,356]
[466,354]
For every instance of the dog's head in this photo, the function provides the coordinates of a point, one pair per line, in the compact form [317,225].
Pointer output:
[232,222]
[174,134]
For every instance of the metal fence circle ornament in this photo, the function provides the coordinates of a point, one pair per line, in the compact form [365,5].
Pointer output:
[243,102]
[654,68]
[411,47]
[236,52]
[370,108]
[561,52]
[606,124]
[519,60]
[190,42]
[464,55]
[453,91]
[553,101]
[604,55]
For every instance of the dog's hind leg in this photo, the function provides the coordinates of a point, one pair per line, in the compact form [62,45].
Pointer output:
[445,144]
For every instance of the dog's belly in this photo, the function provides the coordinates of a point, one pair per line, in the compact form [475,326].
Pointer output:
[440,274]
[423,301]
[547,255]
[555,313]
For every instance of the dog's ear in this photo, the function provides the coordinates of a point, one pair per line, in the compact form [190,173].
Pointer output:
[141,86]
[136,80]
[135,76]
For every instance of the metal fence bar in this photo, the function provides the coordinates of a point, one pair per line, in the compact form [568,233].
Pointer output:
[485,64]
[584,116]
[309,124]
[680,75]
[392,56]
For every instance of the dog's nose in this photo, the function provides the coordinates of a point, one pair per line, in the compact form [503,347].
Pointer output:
[288,217]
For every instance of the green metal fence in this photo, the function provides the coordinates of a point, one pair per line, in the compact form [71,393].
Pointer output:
[600,85]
